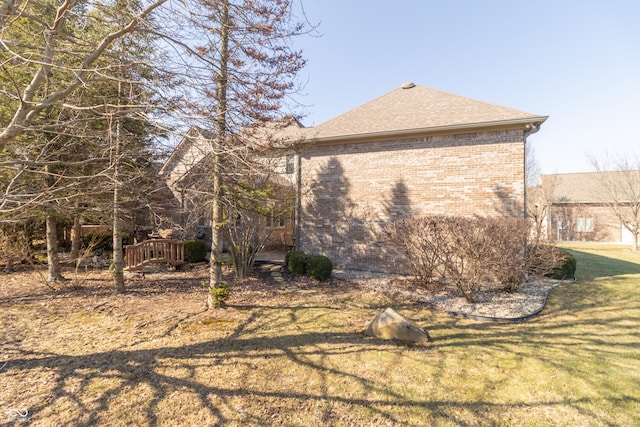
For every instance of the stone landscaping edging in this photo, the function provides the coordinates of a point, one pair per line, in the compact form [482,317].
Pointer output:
[518,319]
[527,302]
[500,319]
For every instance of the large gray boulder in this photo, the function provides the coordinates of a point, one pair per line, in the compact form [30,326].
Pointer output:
[389,325]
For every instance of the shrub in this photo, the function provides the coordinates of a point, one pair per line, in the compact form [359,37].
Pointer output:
[297,263]
[543,260]
[243,256]
[567,269]
[219,294]
[14,246]
[98,242]
[469,252]
[127,239]
[319,267]
[195,250]
[420,240]
[287,255]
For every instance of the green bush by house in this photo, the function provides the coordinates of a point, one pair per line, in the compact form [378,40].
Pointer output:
[194,250]
[319,267]
[296,263]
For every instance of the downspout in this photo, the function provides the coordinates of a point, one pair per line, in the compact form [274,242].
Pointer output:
[298,208]
[530,129]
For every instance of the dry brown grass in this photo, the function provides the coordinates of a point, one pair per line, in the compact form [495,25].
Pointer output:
[297,357]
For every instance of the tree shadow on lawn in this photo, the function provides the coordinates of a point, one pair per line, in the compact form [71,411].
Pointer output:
[222,379]
[101,287]
[592,266]
[588,334]
[218,375]
[131,369]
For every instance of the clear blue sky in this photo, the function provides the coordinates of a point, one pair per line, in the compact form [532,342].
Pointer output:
[576,61]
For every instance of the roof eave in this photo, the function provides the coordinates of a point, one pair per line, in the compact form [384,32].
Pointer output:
[532,122]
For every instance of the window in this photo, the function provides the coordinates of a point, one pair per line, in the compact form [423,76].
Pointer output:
[584,225]
[289,165]
[275,222]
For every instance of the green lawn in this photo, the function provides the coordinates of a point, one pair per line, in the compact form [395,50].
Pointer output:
[301,360]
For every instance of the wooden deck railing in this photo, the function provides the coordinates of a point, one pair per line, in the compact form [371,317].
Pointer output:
[154,251]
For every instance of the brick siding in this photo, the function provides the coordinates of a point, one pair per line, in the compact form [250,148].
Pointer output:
[350,191]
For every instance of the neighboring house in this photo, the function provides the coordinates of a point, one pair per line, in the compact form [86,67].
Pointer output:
[412,151]
[578,206]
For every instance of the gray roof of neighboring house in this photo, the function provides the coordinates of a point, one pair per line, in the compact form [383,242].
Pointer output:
[414,108]
[587,187]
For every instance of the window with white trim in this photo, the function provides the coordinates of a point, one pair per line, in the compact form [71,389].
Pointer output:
[290,164]
[584,224]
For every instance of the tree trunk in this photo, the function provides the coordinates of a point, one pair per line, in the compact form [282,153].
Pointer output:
[215,269]
[76,239]
[118,256]
[53,262]
[8,269]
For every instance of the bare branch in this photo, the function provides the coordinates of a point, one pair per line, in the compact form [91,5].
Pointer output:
[29,109]
[618,179]
[52,162]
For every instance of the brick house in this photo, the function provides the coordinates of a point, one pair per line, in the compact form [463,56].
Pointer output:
[187,175]
[577,206]
[412,151]
[180,172]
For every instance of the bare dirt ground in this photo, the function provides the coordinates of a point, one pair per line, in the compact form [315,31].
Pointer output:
[160,297]
[65,348]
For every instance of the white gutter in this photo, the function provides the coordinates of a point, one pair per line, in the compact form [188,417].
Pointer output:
[532,124]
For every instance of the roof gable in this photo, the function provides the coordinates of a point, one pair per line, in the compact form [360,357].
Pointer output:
[415,107]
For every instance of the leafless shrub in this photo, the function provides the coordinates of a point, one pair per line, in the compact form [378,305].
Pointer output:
[421,240]
[14,246]
[88,250]
[470,253]
[543,259]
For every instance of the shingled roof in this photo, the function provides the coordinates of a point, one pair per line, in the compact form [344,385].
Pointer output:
[588,187]
[414,108]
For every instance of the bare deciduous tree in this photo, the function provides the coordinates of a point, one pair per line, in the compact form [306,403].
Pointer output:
[531,166]
[618,179]
[232,62]
[61,97]
[540,200]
